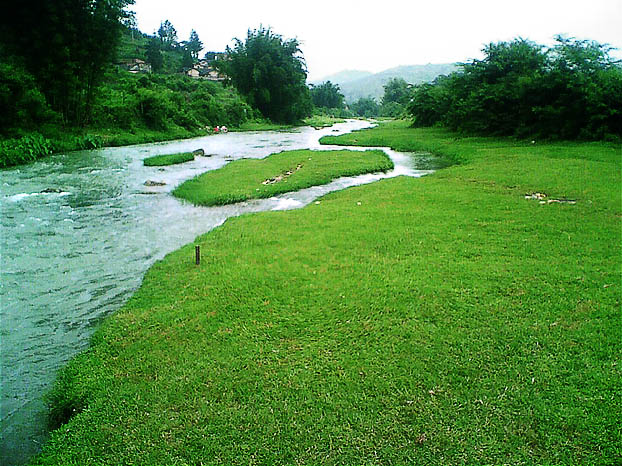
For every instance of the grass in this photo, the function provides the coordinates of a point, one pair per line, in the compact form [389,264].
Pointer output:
[440,320]
[278,173]
[168,159]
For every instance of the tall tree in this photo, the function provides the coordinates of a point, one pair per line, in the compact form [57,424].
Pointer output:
[271,73]
[154,55]
[194,45]
[396,90]
[186,60]
[167,34]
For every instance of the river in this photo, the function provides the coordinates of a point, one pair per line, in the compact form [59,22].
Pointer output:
[78,232]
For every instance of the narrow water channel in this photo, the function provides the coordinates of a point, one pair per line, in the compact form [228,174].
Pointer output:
[78,232]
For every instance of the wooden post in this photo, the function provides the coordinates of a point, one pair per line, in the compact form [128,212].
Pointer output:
[197,255]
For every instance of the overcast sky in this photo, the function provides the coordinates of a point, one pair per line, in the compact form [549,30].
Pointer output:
[376,35]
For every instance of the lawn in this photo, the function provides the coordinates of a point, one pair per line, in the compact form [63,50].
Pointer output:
[279,173]
[441,320]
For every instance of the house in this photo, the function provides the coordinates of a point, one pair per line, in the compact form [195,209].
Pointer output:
[134,65]
[204,69]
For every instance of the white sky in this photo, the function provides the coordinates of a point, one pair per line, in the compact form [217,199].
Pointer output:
[376,35]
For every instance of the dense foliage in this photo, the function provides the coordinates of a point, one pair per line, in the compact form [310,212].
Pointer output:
[572,90]
[160,102]
[366,107]
[271,73]
[130,109]
[22,104]
[80,97]
[65,45]
[327,95]
[396,97]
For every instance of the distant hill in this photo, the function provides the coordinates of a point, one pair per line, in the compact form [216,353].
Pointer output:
[344,77]
[357,84]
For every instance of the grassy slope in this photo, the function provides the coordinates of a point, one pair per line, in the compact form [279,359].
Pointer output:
[307,168]
[443,320]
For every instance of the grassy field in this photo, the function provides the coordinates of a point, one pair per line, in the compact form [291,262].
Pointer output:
[440,320]
[168,159]
[279,173]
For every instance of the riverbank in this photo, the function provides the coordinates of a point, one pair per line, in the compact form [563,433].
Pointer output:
[460,317]
[34,146]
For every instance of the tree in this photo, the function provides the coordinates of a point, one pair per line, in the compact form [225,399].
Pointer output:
[271,73]
[22,103]
[572,90]
[365,107]
[396,90]
[154,55]
[167,34]
[65,44]
[194,45]
[186,60]
[327,95]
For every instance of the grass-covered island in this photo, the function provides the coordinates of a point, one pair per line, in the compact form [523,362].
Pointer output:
[168,159]
[470,316]
[279,173]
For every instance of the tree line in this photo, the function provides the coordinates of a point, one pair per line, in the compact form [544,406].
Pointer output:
[54,57]
[166,40]
[572,90]
[327,96]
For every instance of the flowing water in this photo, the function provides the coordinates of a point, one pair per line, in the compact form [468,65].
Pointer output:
[78,232]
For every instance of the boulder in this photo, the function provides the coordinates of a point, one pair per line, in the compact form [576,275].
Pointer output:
[198,153]
[154,183]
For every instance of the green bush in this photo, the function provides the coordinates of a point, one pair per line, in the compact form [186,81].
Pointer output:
[23,105]
[24,149]
[154,108]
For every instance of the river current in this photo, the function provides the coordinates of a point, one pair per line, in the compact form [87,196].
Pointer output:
[78,232]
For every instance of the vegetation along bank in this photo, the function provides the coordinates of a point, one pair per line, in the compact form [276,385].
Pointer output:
[102,82]
[468,316]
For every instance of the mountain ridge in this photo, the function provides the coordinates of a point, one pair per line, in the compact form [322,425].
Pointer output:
[369,84]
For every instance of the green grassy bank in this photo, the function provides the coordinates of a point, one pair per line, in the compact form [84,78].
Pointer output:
[440,320]
[168,159]
[279,173]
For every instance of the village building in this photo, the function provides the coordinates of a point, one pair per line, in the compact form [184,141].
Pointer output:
[204,69]
[134,65]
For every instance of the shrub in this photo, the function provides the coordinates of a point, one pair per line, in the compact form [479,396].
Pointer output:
[24,149]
